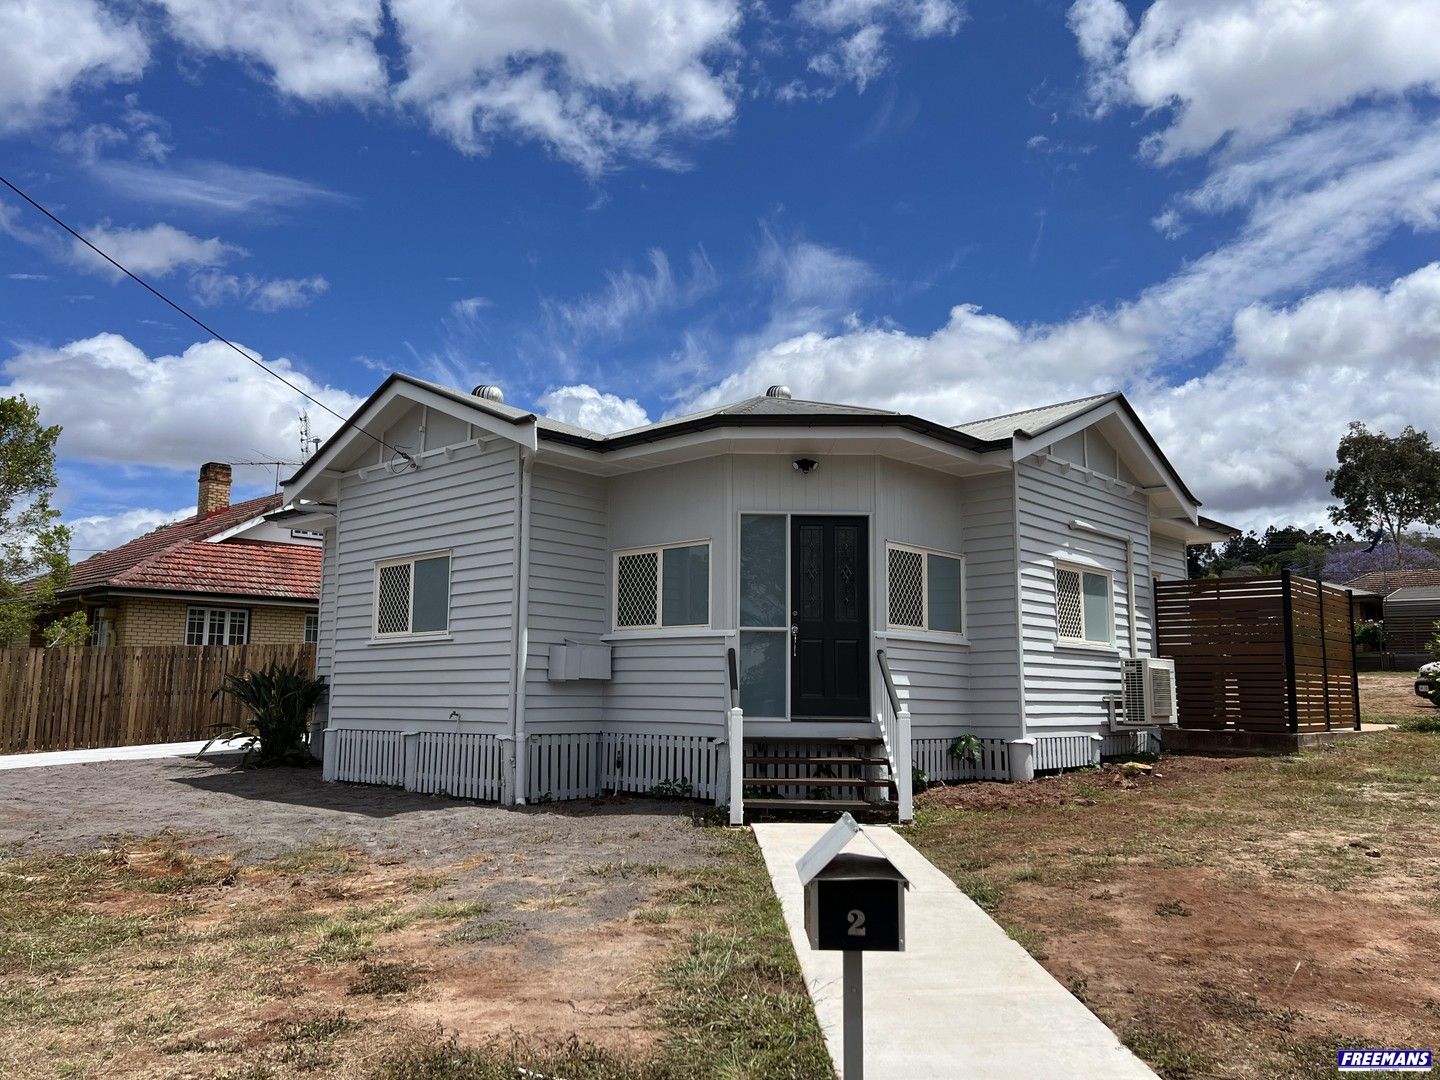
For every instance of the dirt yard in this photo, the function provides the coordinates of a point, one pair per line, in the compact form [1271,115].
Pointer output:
[1388,697]
[1227,917]
[180,919]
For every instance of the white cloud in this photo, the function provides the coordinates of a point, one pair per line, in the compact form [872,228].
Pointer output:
[213,287]
[312,51]
[586,407]
[119,406]
[101,532]
[860,54]
[48,47]
[469,307]
[592,82]
[1253,437]
[1256,434]
[1249,69]
[155,251]
[630,296]
[212,186]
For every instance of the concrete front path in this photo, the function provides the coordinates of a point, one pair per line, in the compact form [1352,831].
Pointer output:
[109,753]
[962,1001]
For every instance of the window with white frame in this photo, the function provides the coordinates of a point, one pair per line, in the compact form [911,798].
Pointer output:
[412,596]
[926,589]
[664,586]
[217,626]
[312,627]
[1084,610]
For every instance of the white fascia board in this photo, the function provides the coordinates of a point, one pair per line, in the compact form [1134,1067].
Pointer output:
[1190,533]
[236,530]
[1139,447]
[816,441]
[523,433]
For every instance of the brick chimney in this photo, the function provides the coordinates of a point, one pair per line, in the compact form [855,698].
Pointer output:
[214,487]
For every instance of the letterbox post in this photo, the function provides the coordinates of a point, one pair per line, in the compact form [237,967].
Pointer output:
[854,1013]
[854,904]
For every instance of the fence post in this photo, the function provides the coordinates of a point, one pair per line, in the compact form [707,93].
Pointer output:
[904,765]
[1354,661]
[1288,615]
[735,745]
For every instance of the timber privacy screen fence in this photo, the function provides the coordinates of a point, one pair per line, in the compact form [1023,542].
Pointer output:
[1261,654]
[76,699]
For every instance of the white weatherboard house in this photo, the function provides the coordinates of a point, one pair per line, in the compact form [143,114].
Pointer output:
[765,604]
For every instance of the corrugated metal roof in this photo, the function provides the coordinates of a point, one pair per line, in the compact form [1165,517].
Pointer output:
[1031,420]
[1415,592]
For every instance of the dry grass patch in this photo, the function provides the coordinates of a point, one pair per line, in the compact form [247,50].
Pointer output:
[1229,917]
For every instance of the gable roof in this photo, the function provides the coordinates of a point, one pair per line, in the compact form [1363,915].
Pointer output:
[1033,421]
[1385,582]
[179,558]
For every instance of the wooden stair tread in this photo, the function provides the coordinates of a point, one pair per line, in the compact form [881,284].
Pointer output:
[814,761]
[837,740]
[813,804]
[815,781]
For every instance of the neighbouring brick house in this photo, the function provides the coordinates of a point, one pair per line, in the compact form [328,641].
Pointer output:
[224,576]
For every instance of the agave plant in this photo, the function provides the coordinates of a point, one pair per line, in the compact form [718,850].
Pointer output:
[278,699]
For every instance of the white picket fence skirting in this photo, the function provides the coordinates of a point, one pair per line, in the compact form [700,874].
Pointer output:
[641,763]
[933,756]
[574,765]
[1055,752]
[465,765]
[364,756]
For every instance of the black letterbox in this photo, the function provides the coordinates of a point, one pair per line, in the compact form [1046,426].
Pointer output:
[856,903]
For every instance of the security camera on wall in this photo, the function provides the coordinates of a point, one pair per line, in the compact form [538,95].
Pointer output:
[805,466]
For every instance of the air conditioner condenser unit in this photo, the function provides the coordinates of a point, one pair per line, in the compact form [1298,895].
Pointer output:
[1147,697]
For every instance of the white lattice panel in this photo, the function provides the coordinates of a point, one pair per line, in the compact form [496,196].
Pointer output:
[637,589]
[907,587]
[392,601]
[1067,603]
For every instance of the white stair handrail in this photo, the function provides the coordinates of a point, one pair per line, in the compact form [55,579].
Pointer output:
[895,736]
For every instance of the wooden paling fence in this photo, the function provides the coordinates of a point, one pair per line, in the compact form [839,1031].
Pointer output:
[73,699]
[1262,654]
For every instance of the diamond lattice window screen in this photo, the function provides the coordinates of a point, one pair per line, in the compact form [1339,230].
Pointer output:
[637,581]
[392,601]
[907,587]
[1067,603]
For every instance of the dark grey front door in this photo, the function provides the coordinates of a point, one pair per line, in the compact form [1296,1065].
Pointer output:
[829,619]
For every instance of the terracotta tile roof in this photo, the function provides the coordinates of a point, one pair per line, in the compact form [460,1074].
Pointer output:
[177,558]
[1384,582]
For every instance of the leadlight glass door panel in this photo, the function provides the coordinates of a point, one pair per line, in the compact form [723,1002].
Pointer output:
[830,626]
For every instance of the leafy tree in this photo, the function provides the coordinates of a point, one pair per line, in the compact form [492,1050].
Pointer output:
[1279,547]
[34,549]
[1392,483]
[1349,561]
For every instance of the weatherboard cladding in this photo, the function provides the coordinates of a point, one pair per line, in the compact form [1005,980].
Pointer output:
[1064,683]
[465,505]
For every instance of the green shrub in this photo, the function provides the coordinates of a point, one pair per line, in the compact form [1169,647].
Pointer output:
[278,699]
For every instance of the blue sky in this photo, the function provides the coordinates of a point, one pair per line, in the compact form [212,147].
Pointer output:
[1226,208]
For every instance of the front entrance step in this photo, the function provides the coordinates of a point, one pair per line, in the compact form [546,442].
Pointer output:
[839,740]
[818,781]
[763,760]
[814,805]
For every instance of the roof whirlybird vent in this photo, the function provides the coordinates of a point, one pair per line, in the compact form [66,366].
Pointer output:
[489,392]
[778,391]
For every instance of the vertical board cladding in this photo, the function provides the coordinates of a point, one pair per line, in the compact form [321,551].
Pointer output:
[1065,684]
[466,506]
[569,569]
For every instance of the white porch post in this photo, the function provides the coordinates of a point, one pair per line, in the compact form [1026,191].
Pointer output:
[735,744]
[903,764]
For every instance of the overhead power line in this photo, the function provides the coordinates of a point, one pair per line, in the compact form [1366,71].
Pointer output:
[196,320]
